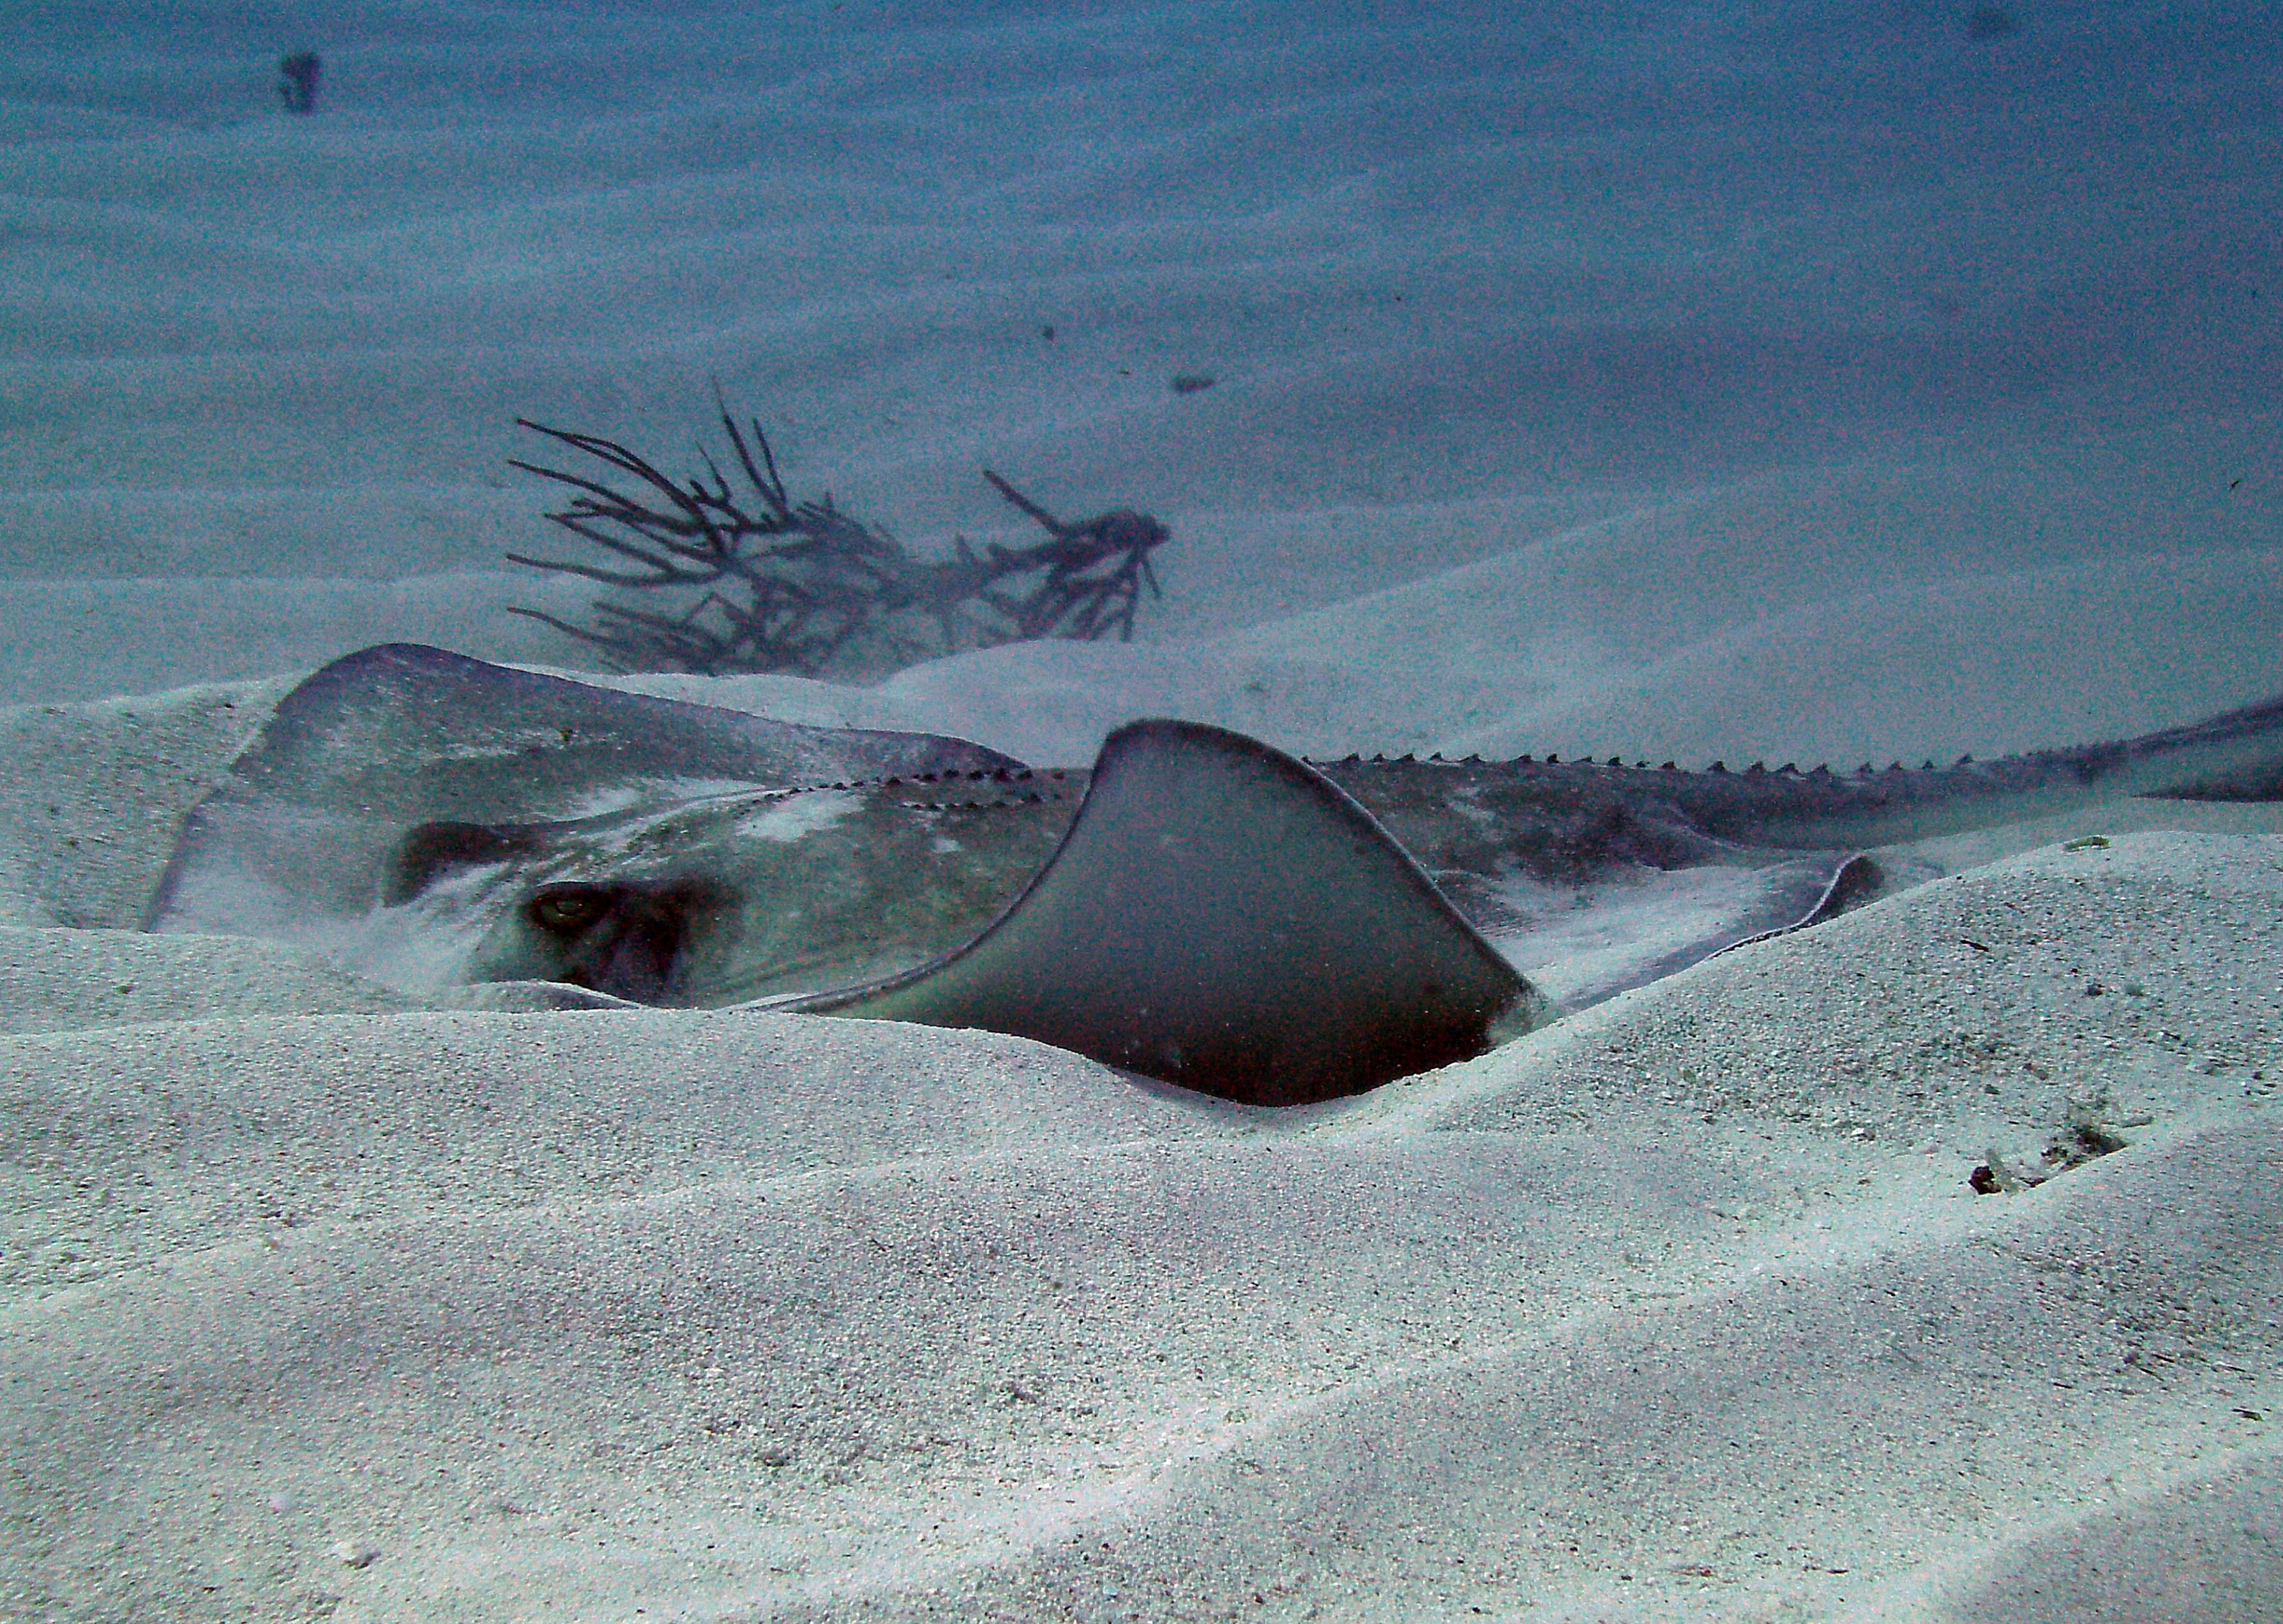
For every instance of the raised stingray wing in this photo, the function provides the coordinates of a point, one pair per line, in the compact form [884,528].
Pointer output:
[1222,917]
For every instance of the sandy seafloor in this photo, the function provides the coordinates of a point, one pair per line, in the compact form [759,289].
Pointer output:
[1804,381]
[321,1305]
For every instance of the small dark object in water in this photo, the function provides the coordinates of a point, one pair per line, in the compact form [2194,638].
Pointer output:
[1189,382]
[299,72]
[1991,22]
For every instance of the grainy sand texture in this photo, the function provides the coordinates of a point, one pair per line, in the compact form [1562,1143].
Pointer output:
[1785,382]
[320,1305]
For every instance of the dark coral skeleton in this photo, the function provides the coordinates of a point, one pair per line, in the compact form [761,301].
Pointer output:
[773,584]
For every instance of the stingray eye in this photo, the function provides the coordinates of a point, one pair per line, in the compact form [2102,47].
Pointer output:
[566,910]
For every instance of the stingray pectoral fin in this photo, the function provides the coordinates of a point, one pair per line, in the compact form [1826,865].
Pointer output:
[1222,917]
[1857,880]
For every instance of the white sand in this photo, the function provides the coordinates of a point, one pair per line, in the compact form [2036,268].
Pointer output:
[1786,381]
[1682,1308]
[1923,379]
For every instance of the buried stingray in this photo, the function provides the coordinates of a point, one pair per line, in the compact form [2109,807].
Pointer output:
[1197,907]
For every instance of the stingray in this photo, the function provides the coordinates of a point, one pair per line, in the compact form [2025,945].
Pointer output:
[1197,907]
[406,748]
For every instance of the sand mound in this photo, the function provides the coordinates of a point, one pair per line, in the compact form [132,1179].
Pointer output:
[1684,1306]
